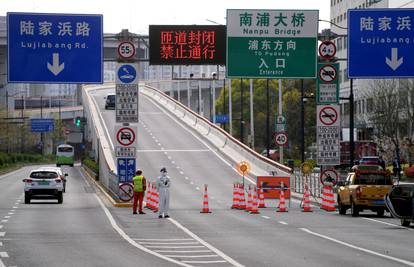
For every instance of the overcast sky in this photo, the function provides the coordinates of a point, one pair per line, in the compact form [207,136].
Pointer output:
[136,15]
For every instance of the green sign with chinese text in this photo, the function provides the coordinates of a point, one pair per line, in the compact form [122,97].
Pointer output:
[272,43]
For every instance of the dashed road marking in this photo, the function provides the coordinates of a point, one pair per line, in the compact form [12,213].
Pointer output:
[201,262]
[282,222]
[181,172]
[162,239]
[12,210]
[7,217]
[198,188]
[266,217]
[169,243]
[10,213]
[2,264]
[174,246]
[409,263]
[15,207]
[1,244]
[193,256]
[2,234]
[3,221]
[183,251]
[191,182]
[186,178]
[177,167]
[1,226]
[173,162]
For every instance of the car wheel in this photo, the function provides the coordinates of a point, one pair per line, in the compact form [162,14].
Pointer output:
[26,198]
[405,222]
[60,198]
[380,212]
[341,207]
[71,165]
[354,209]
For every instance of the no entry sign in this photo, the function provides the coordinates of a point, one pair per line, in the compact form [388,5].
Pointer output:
[126,192]
[328,115]
[125,135]
[327,73]
[329,176]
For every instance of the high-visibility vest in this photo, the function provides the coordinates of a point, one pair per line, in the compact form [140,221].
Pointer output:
[138,186]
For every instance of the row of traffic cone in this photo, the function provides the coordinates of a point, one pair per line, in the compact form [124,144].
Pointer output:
[152,198]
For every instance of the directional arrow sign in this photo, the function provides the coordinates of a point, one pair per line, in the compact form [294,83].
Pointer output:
[380,43]
[55,68]
[394,62]
[54,48]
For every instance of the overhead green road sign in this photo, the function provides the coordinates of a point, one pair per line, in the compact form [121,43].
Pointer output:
[272,43]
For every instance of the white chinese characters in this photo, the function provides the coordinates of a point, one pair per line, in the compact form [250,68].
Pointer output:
[47,28]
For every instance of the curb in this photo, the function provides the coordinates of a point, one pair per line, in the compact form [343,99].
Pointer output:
[108,196]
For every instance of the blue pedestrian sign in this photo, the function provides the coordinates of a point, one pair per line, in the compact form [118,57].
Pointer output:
[126,169]
[127,73]
[54,48]
[380,43]
[42,125]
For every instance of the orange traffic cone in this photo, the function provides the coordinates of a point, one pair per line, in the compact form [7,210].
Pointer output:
[149,203]
[249,199]
[261,197]
[242,197]
[235,197]
[328,199]
[306,201]
[282,202]
[205,201]
[254,209]
[146,195]
[156,200]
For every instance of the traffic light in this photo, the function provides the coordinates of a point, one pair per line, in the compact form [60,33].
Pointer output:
[78,121]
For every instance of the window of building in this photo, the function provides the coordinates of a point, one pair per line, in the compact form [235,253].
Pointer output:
[370,105]
[345,75]
[344,15]
[345,42]
[339,42]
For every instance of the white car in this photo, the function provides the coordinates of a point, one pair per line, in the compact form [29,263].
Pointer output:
[62,174]
[43,183]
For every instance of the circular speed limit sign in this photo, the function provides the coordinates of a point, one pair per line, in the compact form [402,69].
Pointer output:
[126,50]
[281,139]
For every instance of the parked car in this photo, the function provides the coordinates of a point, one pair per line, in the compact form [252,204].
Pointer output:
[400,202]
[43,183]
[110,101]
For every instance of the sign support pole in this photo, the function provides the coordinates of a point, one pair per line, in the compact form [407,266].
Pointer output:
[302,121]
[230,113]
[280,114]
[199,97]
[188,94]
[179,89]
[351,123]
[267,119]
[251,114]
[241,111]
[214,100]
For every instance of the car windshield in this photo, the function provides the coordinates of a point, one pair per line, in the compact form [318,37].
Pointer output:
[111,98]
[373,179]
[43,175]
[65,149]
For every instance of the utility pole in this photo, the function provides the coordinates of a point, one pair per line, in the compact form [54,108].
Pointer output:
[267,119]
[241,112]
[251,114]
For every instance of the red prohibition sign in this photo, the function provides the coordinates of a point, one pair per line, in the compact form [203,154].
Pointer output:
[126,192]
[327,49]
[126,50]
[327,73]
[125,136]
[328,115]
[329,175]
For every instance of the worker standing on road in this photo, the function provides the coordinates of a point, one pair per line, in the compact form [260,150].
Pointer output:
[140,185]
[163,187]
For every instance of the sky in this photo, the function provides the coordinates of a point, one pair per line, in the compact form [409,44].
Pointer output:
[136,15]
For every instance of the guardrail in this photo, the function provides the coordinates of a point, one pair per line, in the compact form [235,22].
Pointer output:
[219,138]
[95,133]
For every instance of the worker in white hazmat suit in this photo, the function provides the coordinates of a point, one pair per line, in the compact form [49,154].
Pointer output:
[163,187]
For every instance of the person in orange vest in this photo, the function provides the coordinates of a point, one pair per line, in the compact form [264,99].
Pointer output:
[140,185]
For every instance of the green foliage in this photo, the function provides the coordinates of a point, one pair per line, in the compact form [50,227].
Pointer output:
[8,161]
[91,164]
[291,109]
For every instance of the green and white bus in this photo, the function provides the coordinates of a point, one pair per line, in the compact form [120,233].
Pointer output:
[65,155]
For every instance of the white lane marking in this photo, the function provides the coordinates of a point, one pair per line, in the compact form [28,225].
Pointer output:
[282,222]
[19,200]
[198,188]
[130,240]
[169,157]
[1,226]
[168,243]
[1,244]
[4,254]
[7,217]
[186,178]
[174,246]
[172,150]
[409,263]
[183,251]
[159,144]
[173,162]
[193,256]
[12,210]
[391,224]
[159,239]
[15,207]
[156,140]
[181,172]
[215,250]
[10,213]
[266,217]
[3,221]
[181,124]
[202,262]
[191,182]
[166,153]
[2,264]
